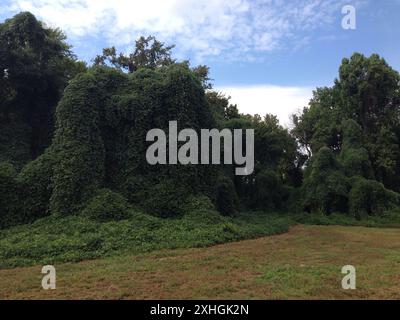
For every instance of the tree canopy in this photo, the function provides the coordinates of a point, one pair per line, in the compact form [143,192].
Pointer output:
[36,65]
[148,53]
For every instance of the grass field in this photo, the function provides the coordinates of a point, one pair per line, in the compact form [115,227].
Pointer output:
[305,263]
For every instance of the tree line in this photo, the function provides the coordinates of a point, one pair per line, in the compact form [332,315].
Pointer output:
[73,134]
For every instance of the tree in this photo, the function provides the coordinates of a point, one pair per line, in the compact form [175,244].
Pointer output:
[149,53]
[221,108]
[370,94]
[202,72]
[369,197]
[35,66]
[318,125]
[367,92]
[276,166]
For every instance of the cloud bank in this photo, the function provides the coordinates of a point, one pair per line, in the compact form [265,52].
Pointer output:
[228,29]
[263,99]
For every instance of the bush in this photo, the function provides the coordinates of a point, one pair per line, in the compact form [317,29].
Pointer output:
[37,186]
[204,216]
[166,199]
[74,238]
[369,197]
[197,203]
[107,206]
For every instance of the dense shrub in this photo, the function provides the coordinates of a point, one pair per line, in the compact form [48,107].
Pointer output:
[74,238]
[197,203]
[107,205]
[369,197]
[166,199]
[36,181]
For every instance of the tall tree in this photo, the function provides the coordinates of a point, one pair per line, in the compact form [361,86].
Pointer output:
[149,52]
[368,92]
[35,66]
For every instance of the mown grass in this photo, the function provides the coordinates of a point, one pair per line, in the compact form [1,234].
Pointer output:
[304,263]
[76,238]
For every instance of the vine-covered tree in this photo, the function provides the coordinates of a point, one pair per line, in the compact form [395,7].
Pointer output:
[355,124]
[367,92]
[35,66]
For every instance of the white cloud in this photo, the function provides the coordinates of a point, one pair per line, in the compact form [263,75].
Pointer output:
[224,28]
[263,99]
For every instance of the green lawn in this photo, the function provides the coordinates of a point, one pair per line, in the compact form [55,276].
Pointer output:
[305,263]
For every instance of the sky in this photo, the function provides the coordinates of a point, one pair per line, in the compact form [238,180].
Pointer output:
[268,55]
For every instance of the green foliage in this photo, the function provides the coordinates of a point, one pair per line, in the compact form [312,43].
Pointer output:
[276,165]
[107,205]
[386,220]
[202,72]
[101,125]
[25,197]
[356,162]
[36,65]
[358,120]
[319,124]
[367,92]
[195,203]
[226,198]
[166,199]
[9,190]
[325,187]
[385,154]
[369,197]
[75,238]
[149,53]
[7,169]
[78,145]
[353,157]
[100,140]
[350,133]
[14,141]
[370,89]
[269,192]
[36,185]
[220,107]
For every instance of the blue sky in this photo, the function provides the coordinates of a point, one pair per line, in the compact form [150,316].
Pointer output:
[267,54]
